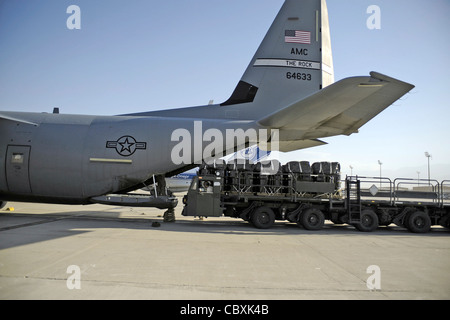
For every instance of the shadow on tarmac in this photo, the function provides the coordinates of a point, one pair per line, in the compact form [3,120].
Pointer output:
[42,227]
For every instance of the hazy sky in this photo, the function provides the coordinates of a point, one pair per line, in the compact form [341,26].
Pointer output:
[141,55]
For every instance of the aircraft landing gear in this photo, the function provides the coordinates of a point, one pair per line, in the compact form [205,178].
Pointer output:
[169,215]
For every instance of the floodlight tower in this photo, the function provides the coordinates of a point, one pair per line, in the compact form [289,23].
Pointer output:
[428,155]
[380,163]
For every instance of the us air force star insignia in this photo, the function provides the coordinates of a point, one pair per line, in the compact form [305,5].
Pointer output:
[126,145]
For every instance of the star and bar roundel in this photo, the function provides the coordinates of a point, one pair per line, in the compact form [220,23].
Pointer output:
[126,145]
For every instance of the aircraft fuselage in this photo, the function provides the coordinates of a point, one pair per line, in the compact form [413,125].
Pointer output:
[71,158]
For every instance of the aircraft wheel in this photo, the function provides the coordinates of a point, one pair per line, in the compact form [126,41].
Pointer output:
[418,222]
[312,219]
[369,221]
[263,218]
[169,216]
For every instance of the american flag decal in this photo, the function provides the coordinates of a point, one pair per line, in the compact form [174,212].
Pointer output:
[296,36]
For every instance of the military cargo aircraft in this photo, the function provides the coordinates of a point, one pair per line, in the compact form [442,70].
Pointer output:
[288,89]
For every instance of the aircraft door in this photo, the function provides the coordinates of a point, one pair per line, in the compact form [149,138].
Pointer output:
[17,169]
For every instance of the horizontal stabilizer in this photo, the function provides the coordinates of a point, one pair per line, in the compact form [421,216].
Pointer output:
[341,108]
[292,145]
[287,143]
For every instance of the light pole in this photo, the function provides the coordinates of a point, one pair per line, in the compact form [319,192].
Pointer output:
[428,155]
[351,171]
[380,163]
[418,178]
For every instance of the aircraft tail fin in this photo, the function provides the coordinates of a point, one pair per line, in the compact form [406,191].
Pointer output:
[293,61]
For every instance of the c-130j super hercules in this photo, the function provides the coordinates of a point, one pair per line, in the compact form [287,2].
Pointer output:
[288,86]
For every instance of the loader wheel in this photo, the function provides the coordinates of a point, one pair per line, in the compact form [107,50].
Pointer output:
[369,221]
[445,221]
[418,222]
[312,219]
[263,218]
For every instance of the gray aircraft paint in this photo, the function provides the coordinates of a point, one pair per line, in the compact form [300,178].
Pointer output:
[287,86]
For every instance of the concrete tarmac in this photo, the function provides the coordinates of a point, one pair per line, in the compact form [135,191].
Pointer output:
[46,251]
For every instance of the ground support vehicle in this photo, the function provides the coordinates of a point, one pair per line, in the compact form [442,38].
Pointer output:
[310,194]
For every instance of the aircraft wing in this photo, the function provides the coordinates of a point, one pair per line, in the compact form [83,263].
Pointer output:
[10,118]
[341,108]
